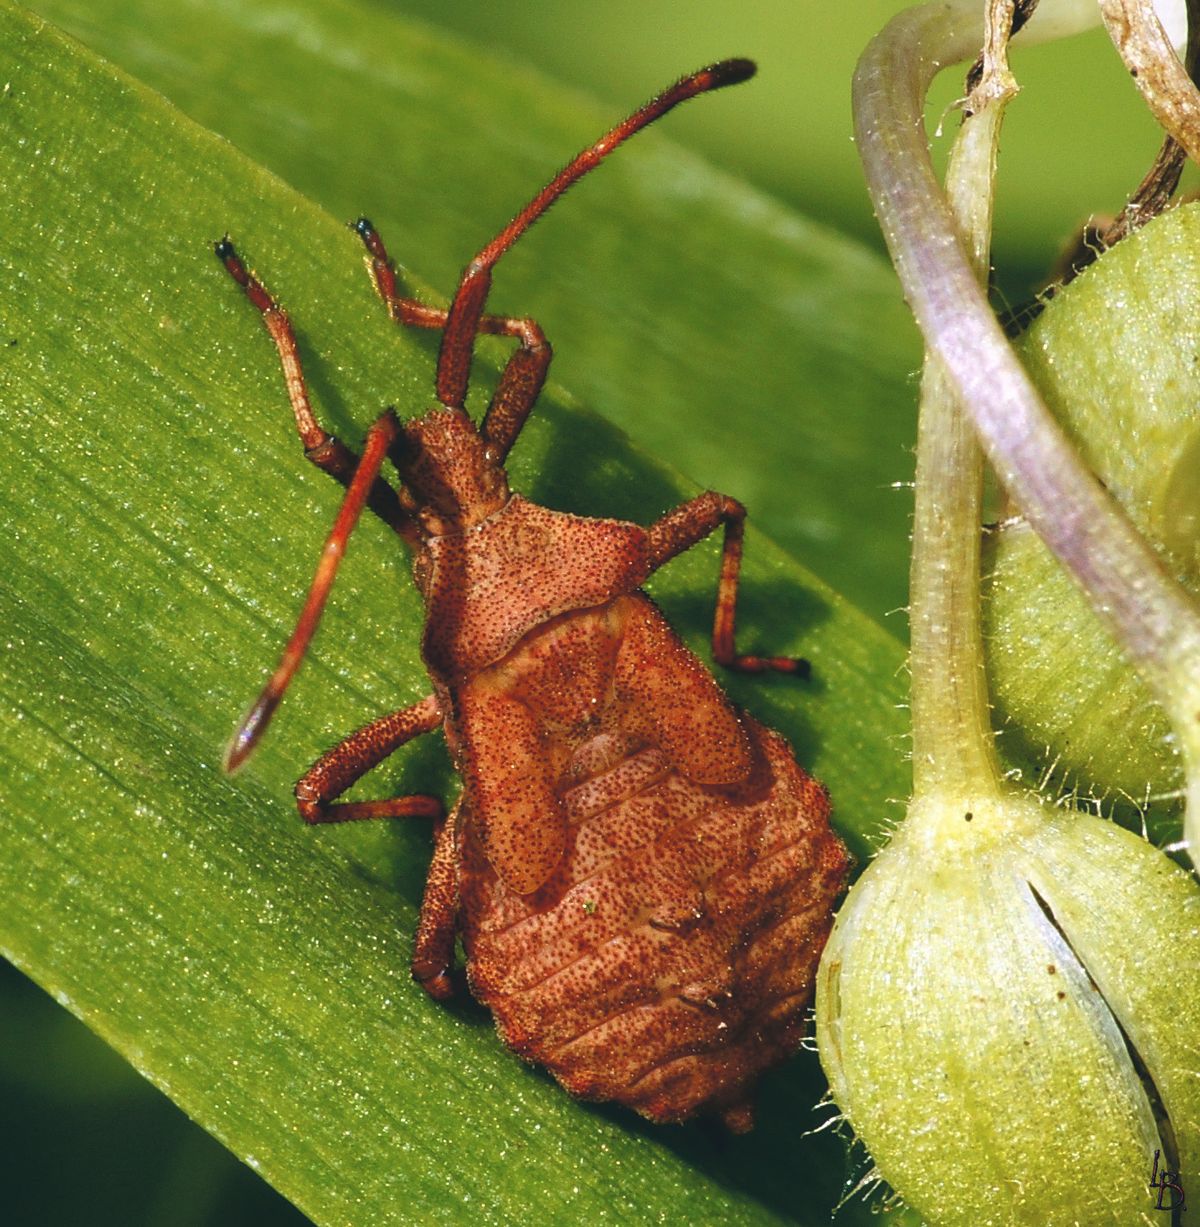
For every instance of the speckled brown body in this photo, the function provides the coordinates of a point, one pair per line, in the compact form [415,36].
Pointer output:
[642,877]
[669,958]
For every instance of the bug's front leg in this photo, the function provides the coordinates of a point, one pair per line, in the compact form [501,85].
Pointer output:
[523,375]
[682,528]
[326,451]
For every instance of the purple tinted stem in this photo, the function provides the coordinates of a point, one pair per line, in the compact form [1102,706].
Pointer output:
[1154,618]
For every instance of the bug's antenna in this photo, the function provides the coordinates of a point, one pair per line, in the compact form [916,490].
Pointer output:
[454,360]
[380,437]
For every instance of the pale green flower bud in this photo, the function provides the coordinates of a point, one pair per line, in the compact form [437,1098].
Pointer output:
[1008,1011]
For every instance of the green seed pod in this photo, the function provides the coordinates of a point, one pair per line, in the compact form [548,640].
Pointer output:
[1009,1016]
[1117,357]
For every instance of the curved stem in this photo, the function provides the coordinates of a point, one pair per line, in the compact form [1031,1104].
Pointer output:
[1152,615]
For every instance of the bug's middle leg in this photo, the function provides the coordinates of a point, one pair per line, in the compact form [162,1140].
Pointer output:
[682,528]
[348,761]
[337,769]
[523,375]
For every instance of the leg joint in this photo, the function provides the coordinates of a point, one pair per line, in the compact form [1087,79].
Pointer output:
[529,333]
[730,508]
[309,802]
[325,452]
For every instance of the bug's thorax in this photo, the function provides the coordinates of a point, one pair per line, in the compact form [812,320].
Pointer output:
[488,585]
[451,480]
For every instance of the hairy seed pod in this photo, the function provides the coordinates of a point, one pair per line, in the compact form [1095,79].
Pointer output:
[1008,1010]
[1115,356]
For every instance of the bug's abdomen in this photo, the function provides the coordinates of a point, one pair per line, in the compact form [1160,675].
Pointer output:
[669,958]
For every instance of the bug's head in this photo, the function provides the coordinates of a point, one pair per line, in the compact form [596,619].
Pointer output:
[445,468]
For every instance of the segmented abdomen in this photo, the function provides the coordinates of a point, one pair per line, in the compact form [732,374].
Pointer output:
[669,958]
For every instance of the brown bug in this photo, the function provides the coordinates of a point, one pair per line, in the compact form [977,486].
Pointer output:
[641,876]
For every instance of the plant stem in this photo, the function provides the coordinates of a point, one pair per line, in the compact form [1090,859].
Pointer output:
[1154,193]
[1165,84]
[1152,615]
[953,744]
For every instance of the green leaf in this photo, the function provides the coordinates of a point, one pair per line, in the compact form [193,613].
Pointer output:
[161,526]
[757,351]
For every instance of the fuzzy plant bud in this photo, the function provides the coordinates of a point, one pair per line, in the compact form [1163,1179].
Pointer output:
[1008,1011]
[1063,686]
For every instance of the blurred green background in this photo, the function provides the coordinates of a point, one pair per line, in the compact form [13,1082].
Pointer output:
[87,1140]
[1076,143]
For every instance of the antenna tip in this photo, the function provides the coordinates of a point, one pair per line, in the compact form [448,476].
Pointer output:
[731,72]
[242,744]
[227,253]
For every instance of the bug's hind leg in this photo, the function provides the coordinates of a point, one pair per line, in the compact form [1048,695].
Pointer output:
[523,375]
[327,452]
[433,949]
[682,528]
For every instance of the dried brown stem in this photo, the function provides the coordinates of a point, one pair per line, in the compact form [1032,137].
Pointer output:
[1155,191]
[1163,81]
